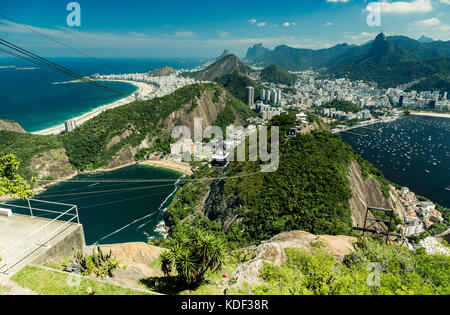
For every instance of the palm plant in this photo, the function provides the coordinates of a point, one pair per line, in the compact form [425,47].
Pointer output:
[194,256]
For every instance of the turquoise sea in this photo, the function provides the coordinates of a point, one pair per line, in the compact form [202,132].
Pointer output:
[31,97]
[124,205]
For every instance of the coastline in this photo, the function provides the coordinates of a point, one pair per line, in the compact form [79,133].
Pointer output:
[171,164]
[431,114]
[142,88]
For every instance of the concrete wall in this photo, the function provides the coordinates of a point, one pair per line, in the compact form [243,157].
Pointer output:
[73,239]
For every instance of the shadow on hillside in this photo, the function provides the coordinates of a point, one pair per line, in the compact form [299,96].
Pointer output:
[164,285]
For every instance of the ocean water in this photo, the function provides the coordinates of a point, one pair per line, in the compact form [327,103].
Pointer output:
[115,212]
[31,98]
[412,151]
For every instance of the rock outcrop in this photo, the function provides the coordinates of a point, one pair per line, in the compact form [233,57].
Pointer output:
[162,72]
[10,125]
[53,164]
[272,251]
[368,192]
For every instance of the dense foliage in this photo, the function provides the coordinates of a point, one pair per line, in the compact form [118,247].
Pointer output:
[194,255]
[25,147]
[226,65]
[437,82]
[99,264]
[344,106]
[236,84]
[90,146]
[374,268]
[390,65]
[276,74]
[310,191]
[12,184]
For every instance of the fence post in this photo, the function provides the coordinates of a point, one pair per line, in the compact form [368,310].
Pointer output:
[78,216]
[31,210]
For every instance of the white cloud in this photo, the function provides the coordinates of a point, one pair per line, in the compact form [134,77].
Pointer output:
[184,34]
[445,2]
[360,38]
[432,27]
[328,24]
[252,21]
[415,6]
[286,24]
[262,24]
[336,1]
[428,22]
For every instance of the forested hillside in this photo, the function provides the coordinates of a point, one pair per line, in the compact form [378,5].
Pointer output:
[310,191]
[276,74]
[116,136]
[236,84]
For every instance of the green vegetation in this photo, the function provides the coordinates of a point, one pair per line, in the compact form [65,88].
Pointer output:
[99,264]
[90,146]
[276,74]
[25,147]
[402,272]
[186,201]
[310,191]
[46,282]
[194,255]
[390,65]
[228,64]
[240,108]
[344,106]
[12,184]
[172,285]
[437,82]
[236,84]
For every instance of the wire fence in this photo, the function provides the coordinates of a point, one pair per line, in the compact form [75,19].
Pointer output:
[16,252]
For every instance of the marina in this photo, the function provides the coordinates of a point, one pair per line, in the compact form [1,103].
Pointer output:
[413,151]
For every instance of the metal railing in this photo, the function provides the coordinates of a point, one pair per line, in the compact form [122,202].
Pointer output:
[41,237]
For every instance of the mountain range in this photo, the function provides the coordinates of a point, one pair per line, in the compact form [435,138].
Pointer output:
[389,61]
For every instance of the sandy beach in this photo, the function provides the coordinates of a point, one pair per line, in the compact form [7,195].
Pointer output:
[431,114]
[144,89]
[171,164]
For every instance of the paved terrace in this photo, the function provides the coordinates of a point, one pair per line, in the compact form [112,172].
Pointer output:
[23,240]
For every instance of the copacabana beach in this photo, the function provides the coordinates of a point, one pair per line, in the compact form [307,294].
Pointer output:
[143,89]
[41,100]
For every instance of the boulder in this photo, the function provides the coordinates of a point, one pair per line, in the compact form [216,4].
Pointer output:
[272,251]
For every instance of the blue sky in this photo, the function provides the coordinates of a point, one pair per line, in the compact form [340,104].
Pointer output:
[198,28]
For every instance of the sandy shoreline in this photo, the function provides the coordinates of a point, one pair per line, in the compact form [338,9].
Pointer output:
[171,164]
[143,88]
[431,114]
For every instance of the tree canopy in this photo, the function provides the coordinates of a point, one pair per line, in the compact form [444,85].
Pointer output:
[12,184]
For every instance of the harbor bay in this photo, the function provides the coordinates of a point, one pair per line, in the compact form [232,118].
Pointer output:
[413,151]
